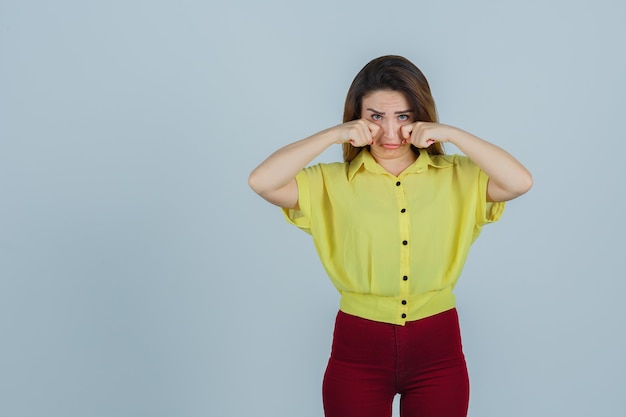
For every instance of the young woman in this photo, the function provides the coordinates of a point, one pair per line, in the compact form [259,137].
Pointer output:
[393,225]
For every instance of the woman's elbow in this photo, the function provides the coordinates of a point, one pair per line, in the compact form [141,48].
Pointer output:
[512,189]
[526,183]
[255,182]
[522,186]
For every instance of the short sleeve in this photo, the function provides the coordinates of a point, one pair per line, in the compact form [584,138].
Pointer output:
[301,217]
[486,212]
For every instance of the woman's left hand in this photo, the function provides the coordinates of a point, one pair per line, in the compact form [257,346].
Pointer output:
[507,177]
[424,134]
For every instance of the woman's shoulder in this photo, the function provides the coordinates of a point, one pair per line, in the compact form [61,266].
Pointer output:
[328,167]
[326,173]
[455,159]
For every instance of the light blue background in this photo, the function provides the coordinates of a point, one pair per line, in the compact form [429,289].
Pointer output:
[140,276]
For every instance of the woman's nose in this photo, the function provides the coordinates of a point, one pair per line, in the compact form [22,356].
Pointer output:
[391,130]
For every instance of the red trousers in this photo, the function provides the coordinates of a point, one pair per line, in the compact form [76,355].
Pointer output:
[371,362]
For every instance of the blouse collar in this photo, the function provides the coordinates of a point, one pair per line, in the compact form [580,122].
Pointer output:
[365,160]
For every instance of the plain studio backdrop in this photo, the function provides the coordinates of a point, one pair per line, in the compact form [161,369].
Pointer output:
[140,276]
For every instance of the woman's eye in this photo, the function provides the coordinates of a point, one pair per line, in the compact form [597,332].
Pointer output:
[403,117]
[377,117]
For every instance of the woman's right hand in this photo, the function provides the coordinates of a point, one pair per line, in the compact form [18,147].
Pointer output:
[358,132]
[274,179]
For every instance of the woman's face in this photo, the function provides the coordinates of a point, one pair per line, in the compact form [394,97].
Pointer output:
[389,110]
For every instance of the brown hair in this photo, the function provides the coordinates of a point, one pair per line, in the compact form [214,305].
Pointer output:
[396,73]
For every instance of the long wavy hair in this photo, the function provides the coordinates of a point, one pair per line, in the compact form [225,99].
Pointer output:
[395,73]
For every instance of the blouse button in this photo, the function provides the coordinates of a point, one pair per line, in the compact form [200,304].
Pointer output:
[404,242]
[403,210]
[403,302]
[405,278]
[403,315]
[398,183]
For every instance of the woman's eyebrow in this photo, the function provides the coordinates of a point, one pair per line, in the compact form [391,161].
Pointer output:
[397,112]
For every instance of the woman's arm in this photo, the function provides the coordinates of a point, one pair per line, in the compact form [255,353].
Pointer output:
[275,178]
[508,178]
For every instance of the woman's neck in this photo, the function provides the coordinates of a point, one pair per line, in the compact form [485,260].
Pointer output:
[395,166]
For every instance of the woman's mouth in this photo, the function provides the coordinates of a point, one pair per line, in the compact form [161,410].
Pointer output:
[391,145]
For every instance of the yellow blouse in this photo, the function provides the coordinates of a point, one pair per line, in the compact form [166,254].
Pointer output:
[394,247]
